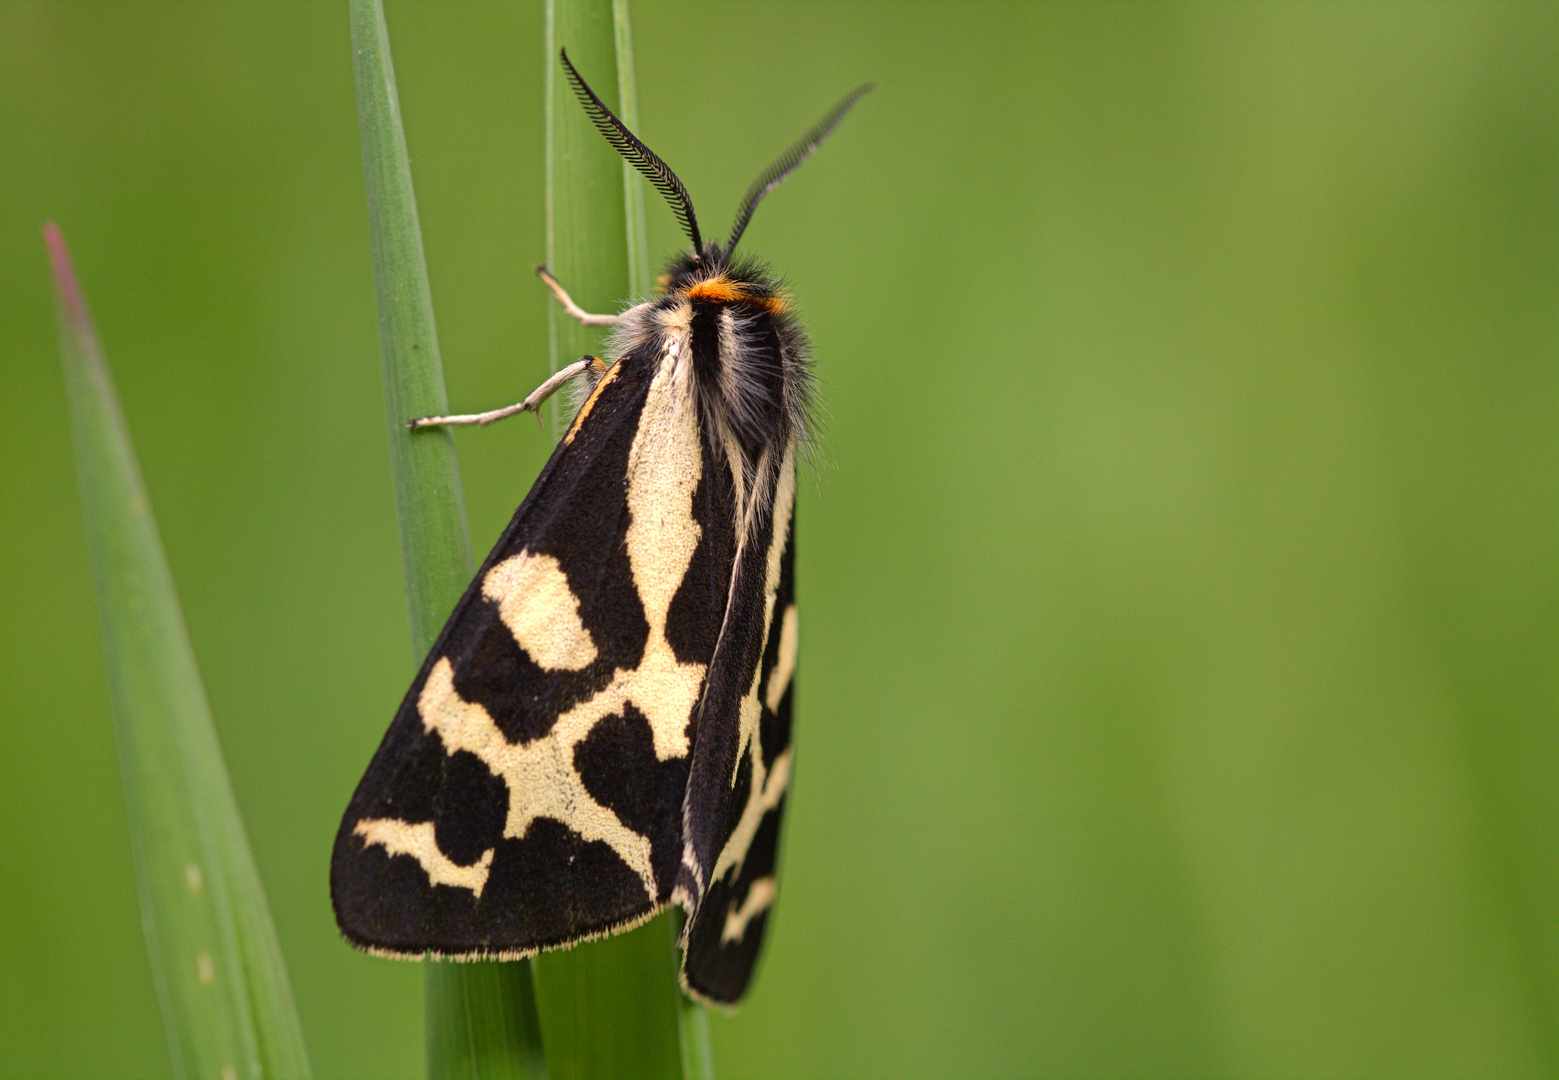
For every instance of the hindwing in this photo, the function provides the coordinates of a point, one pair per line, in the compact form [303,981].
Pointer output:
[742,759]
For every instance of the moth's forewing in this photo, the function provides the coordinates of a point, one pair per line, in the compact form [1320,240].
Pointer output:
[529,791]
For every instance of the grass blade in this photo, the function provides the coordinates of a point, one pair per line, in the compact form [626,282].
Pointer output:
[608,1008]
[221,983]
[693,1021]
[435,546]
[633,184]
[481,1016]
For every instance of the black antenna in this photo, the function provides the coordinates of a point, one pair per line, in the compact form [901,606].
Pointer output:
[786,163]
[641,157]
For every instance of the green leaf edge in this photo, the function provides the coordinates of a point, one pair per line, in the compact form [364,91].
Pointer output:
[217,967]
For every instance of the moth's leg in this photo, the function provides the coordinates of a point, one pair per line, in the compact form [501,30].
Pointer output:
[572,308]
[592,367]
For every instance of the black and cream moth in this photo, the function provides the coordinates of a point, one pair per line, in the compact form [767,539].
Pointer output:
[602,728]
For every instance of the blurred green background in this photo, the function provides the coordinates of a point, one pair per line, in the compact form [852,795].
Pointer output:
[1180,654]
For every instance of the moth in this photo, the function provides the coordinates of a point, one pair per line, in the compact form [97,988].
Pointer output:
[602,728]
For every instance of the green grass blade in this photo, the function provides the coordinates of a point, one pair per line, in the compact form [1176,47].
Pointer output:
[608,1008]
[693,1021]
[633,184]
[482,1022]
[698,1062]
[587,240]
[222,986]
[434,543]
[480,1017]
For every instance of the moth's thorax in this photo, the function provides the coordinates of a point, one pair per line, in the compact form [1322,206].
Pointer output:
[729,323]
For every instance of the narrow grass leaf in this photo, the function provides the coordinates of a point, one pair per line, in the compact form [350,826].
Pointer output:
[221,983]
[480,1016]
[633,182]
[693,1021]
[608,1008]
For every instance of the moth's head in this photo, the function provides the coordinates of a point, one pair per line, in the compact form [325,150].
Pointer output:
[692,266]
[711,277]
[657,172]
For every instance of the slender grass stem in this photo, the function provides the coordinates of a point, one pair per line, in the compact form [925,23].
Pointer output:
[608,1008]
[481,1016]
[693,1021]
[633,184]
[221,983]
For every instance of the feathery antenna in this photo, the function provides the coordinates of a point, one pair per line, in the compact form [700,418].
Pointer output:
[786,163]
[641,157]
